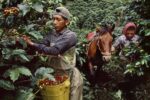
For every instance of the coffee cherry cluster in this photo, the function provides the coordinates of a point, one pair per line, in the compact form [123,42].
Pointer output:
[58,80]
[10,11]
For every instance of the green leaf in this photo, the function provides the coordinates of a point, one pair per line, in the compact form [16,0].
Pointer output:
[18,51]
[6,85]
[43,58]
[36,35]
[118,94]
[142,62]
[25,71]
[24,57]
[38,7]
[22,42]
[41,72]
[7,56]
[12,73]
[29,27]
[25,95]
[148,34]
[21,53]
[24,8]
[118,1]
[49,10]
[1,32]
[0,6]
[137,63]
[5,51]
[49,76]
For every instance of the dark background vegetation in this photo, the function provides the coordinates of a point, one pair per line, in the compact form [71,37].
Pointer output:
[18,63]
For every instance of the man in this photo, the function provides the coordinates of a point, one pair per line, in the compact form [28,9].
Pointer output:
[60,46]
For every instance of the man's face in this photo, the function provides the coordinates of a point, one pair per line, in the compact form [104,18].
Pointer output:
[129,34]
[59,23]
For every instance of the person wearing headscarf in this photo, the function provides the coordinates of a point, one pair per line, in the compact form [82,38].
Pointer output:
[129,36]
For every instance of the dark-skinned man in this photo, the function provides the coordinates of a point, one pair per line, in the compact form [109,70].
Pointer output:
[59,45]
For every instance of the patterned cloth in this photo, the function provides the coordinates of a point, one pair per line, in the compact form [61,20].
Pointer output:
[123,42]
[90,36]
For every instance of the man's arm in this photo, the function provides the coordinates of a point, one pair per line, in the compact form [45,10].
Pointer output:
[59,46]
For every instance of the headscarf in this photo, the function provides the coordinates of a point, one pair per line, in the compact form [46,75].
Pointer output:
[127,26]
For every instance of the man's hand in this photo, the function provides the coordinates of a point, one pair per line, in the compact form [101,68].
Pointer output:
[27,40]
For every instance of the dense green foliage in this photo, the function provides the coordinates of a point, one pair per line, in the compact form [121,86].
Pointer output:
[18,63]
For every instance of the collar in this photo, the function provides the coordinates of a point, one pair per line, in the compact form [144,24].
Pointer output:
[61,32]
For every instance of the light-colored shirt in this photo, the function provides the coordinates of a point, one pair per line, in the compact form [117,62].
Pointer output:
[122,41]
